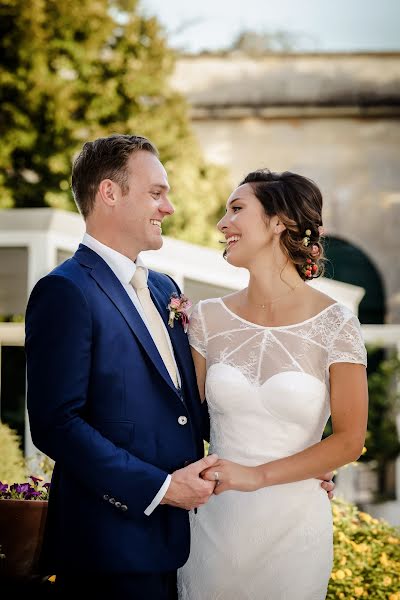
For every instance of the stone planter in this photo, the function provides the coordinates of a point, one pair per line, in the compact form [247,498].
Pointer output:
[21,534]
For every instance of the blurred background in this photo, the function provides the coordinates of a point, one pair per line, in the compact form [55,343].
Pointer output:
[221,88]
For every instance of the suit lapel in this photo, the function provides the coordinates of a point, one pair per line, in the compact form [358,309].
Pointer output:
[112,287]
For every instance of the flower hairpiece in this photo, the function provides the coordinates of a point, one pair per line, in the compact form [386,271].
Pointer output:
[310,267]
[178,307]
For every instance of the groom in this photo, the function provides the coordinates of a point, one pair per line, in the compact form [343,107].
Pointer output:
[112,394]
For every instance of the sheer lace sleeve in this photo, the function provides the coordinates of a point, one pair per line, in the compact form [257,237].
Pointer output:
[197,334]
[348,344]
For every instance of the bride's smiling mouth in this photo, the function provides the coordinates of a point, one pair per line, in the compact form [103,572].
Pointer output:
[231,241]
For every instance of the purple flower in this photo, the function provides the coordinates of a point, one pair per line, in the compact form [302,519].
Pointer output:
[20,488]
[25,491]
[32,494]
[35,480]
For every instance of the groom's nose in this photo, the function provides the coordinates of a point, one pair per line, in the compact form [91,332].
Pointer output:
[167,207]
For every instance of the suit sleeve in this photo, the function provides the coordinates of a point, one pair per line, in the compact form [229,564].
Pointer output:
[59,345]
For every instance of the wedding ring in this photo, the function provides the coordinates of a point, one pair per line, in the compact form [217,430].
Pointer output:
[216,477]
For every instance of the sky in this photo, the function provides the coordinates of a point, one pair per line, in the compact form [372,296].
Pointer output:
[319,25]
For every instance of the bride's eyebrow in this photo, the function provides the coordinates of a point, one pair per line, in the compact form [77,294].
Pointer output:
[234,200]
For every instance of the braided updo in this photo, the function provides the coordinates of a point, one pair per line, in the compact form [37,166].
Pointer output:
[297,202]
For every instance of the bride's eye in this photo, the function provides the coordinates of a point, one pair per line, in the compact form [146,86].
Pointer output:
[236,208]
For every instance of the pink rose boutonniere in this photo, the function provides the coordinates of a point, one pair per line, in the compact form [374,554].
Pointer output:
[178,307]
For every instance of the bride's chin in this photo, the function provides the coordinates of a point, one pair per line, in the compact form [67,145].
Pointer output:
[234,260]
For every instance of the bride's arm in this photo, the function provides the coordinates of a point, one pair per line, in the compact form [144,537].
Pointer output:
[200,367]
[349,409]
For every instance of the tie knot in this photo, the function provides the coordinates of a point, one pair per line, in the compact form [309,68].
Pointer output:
[139,280]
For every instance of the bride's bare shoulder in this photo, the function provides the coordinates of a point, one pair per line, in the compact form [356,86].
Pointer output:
[319,300]
[231,300]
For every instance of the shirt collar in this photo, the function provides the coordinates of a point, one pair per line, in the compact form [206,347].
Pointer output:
[123,267]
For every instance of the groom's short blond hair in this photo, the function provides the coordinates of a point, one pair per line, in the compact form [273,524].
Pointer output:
[104,158]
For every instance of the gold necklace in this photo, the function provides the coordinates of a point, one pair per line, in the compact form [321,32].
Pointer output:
[276,299]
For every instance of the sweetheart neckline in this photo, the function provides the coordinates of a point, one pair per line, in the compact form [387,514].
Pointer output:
[269,378]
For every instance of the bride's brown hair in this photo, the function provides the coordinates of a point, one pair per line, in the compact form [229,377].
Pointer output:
[297,202]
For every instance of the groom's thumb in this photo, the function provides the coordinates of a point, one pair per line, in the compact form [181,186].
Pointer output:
[205,463]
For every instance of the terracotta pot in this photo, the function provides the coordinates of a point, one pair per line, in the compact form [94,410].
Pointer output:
[21,533]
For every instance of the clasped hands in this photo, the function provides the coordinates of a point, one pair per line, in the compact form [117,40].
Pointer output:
[192,486]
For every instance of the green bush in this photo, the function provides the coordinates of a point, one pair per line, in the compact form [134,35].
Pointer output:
[366,556]
[382,438]
[12,462]
[14,467]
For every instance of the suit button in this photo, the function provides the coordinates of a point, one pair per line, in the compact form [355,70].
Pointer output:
[111,500]
[106,497]
[118,505]
[182,420]
[124,507]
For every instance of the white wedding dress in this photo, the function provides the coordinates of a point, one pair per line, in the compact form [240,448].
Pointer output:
[267,390]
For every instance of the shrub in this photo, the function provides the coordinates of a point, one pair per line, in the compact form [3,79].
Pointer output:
[12,464]
[367,556]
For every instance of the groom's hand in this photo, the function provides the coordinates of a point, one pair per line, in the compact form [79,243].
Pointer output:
[327,483]
[187,490]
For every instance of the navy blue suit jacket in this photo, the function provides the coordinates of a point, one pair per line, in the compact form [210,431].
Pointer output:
[102,405]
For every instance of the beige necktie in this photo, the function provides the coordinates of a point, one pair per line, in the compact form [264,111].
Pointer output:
[156,325]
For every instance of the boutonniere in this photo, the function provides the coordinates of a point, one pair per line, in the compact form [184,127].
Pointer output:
[178,307]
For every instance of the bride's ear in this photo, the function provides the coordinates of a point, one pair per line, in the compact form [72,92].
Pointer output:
[279,227]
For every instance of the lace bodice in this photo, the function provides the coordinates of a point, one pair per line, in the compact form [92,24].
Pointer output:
[259,352]
[268,387]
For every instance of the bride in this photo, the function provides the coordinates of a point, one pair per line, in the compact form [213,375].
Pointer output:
[274,361]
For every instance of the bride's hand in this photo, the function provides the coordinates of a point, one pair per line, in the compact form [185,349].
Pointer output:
[232,476]
[327,483]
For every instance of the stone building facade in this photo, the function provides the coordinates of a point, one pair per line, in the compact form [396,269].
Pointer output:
[332,117]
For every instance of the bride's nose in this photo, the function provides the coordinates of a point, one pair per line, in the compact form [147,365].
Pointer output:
[221,225]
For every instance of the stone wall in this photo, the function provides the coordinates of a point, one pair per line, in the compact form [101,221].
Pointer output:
[344,133]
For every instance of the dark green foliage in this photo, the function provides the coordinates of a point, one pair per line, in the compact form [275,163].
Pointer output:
[73,71]
[382,440]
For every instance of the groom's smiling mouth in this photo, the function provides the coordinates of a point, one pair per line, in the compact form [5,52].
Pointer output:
[156,223]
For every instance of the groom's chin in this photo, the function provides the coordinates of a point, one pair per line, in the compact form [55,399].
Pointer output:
[157,244]
[153,243]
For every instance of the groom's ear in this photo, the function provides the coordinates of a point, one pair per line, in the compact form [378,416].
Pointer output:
[108,191]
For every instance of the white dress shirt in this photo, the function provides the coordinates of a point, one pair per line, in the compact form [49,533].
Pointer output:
[124,269]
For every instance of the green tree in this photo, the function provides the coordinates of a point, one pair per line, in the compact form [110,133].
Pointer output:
[73,71]
[255,43]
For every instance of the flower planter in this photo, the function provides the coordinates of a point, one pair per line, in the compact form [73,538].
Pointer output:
[21,533]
